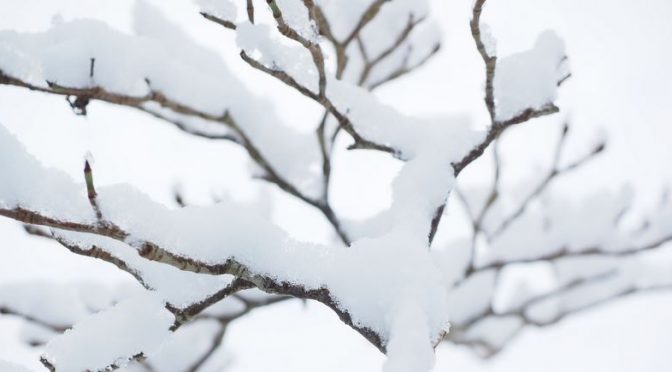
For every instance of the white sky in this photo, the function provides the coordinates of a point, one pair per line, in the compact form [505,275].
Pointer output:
[622,85]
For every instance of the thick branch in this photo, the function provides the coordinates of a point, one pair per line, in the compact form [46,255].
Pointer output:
[230,266]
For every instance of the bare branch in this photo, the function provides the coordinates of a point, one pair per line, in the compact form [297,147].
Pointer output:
[222,22]
[490,61]
[250,11]
[91,190]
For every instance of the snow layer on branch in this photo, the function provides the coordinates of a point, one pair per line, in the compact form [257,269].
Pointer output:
[419,188]
[177,287]
[446,138]
[430,147]
[273,52]
[488,39]
[52,307]
[133,326]
[295,14]
[409,348]
[195,77]
[26,183]
[529,79]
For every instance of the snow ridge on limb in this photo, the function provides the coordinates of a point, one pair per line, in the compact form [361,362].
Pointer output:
[133,327]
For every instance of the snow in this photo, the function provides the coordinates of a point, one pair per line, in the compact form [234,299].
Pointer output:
[273,51]
[295,14]
[177,287]
[134,325]
[410,348]
[447,138]
[32,186]
[428,176]
[488,40]
[529,79]
[367,292]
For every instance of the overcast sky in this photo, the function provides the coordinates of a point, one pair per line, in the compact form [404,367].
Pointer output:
[621,88]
